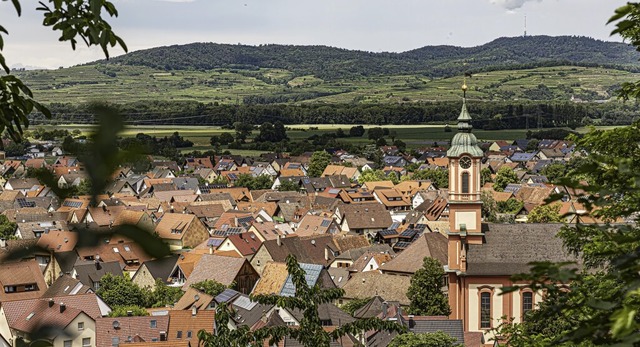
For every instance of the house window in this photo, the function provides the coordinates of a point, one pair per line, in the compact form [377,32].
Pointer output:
[80,326]
[115,341]
[67,343]
[96,285]
[189,334]
[29,287]
[527,303]
[153,324]
[179,334]
[485,310]
[9,289]
[465,183]
[86,342]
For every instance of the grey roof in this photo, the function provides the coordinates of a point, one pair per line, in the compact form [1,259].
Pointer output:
[66,285]
[312,273]
[91,272]
[509,248]
[161,268]
[452,327]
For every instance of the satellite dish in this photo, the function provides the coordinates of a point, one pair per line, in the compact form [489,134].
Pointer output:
[116,324]
[196,297]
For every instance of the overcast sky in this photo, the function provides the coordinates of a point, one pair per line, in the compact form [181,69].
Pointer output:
[371,25]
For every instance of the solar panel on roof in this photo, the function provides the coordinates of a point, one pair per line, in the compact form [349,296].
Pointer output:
[394,226]
[214,242]
[325,223]
[226,295]
[22,202]
[409,233]
[245,303]
[402,244]
[387,232]
[420,226]
[312,272]
[72,204]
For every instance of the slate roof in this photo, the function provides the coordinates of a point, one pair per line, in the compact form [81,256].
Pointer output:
[161,268]
[130,329]
[302,248]
[509,248]
[211,266]
[66,285]
[423,325]
[371,283]
[91,272]
[432,245]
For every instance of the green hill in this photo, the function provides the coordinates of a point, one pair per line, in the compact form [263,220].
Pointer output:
[430,61]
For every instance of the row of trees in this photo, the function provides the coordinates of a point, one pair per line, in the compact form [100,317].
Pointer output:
[487,115]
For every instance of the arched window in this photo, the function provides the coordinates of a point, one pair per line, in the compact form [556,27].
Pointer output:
[485,310]
[527,303]
[465,183]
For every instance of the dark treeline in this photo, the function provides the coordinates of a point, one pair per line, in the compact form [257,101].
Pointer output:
[431,61]
[487,115]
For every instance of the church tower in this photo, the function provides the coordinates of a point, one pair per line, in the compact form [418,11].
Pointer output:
[465,204]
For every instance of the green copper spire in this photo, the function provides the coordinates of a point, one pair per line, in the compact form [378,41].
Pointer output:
[464,142]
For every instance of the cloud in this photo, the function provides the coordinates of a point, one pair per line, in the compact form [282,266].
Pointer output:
[176,0]
[511,4]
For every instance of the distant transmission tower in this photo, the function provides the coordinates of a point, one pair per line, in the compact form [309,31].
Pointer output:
[525,25]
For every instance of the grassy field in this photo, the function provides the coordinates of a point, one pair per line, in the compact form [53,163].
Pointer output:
[414,136]
[123,84]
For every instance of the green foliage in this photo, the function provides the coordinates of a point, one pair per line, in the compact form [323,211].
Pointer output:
[356,131]
[209,287]
[511,206]
[437,339]
[318,162]
[123,311]
[554,171]
[254,183]
[375,133]
[7,228]
[243,131]
[425,291]
[121,291]
[242,336]
[310,333]
[352,306]
[272,132]
[163,295]
[15,149]
[485,176]
[439,177]
[73,19]
[504,176]
[222,139]
[288,186]
[627,20]
[374,175]
[548,213]
[84,188]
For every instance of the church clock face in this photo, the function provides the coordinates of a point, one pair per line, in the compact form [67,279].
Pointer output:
[465,162]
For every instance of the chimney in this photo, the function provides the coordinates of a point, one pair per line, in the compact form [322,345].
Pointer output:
[210,249]
[194,311]
[51,302]
[412,323]
[129,313]
[385,308]
[278,240]
[62,307]
[326,253]
[3,243]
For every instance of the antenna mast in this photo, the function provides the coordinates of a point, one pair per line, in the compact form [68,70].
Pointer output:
[525,25]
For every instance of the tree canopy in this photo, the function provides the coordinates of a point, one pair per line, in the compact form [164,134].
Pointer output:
[425,291]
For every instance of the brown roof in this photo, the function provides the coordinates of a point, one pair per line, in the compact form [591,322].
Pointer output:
[206,211]
[311,224]
[188,300]
[59,241]
[272,279]
[45,318]
[219,268]
[271,230]
[134,328]
[366,216]
[173,225]
[246,243]
[185,321]
[305,249]
[347,242]
[372,283]
[21,273]
[253,207]
[371,185]
[432,245]
[128,217]
[170,194]
[534,195]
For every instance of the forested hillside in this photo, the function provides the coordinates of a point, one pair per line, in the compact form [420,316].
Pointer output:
[430,61]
